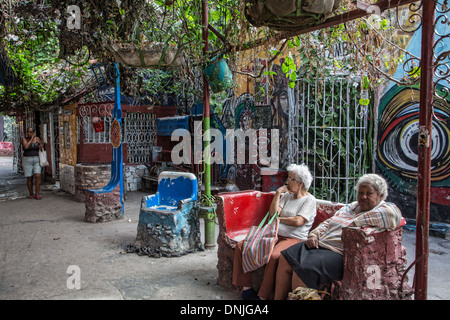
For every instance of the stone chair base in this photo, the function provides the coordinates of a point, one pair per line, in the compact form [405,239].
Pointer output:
[168,233]
[103,207]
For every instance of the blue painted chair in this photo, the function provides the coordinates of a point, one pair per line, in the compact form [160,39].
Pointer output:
[168,220]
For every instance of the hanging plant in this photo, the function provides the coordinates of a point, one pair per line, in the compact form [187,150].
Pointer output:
[289,15]
[147,54]
[218,74]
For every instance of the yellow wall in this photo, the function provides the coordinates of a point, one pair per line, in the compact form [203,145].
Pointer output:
[68,145]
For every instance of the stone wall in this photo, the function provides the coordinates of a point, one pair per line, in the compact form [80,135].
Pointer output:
[90,177]
[67,178]
[103,207]
[133,176]
[76,179]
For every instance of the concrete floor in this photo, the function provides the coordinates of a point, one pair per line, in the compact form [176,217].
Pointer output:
[42,241]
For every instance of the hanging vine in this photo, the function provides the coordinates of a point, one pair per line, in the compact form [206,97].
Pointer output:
[65,53]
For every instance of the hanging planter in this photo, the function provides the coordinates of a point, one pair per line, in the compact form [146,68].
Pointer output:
[218,74]
[289,15]
[147,54]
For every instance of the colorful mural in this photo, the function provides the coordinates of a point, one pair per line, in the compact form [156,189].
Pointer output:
[397,135]
[264,113]
[398,143]
[397,150]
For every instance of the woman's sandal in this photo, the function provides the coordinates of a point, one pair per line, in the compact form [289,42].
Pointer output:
[38,197]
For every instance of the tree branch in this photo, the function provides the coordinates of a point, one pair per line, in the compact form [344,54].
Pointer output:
[330,22]
[267,64]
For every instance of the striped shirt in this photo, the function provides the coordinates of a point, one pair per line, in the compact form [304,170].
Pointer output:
[385,216]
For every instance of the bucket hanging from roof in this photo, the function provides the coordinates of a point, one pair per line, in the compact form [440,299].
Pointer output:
[289,15]
[218,74]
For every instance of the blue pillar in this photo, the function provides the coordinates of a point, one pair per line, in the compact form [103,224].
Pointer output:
[116,165]
[117,162]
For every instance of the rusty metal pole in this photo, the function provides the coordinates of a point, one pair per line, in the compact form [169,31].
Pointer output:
[424,161]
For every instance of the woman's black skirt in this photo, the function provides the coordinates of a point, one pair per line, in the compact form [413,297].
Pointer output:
[314,266]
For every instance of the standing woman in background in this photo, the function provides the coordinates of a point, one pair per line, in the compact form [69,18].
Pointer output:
[30,162]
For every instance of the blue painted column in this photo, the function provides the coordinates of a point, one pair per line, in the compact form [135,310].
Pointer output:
[117,161]
[94,211]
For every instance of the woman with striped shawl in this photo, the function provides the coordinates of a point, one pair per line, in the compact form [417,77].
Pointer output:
[319,259]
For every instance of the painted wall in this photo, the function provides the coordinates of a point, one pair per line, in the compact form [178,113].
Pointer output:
[397,139]
[246,109]
[68,139]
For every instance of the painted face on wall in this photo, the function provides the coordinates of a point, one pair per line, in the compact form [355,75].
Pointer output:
[367,197]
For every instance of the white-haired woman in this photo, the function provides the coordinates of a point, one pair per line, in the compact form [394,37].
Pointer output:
[319,259]
[297,210]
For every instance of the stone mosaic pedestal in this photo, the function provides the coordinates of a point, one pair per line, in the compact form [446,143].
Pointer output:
[168,233]
[103,207]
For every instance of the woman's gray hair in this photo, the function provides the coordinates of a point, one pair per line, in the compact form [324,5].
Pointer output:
[301,174]
[376,181]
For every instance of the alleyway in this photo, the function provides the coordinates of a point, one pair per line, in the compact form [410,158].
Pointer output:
[40,239]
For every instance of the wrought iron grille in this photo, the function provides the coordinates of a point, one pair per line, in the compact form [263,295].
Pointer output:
[140,132]
[329,132]
[101,113]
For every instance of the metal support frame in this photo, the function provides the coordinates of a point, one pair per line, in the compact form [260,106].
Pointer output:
[117,163]
[424,161]
[208,214]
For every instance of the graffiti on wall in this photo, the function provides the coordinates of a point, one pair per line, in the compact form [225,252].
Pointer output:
[398,132]
[251,110]
[398,143]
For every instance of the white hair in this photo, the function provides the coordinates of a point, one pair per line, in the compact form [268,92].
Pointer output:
[376,181]
[301,174]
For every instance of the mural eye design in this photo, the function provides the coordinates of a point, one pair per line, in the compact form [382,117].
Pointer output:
[398,141]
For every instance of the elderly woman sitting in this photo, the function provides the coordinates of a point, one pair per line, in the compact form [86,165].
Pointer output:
[297,209]
[319,259]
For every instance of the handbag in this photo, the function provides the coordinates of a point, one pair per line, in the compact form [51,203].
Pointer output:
[259,243]
[43,158]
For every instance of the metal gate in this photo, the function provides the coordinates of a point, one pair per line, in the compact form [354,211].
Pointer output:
[329,132]
[140,135]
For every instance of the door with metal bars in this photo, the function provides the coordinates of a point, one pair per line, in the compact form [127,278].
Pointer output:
[331,132]
[140,136]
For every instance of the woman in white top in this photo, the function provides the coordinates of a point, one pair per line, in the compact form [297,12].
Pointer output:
[297,209]
[319,259]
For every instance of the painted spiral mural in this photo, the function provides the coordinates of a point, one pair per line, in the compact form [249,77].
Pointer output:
[398,134]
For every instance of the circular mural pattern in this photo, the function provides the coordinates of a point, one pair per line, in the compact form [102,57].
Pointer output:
[398,138]
[116,134]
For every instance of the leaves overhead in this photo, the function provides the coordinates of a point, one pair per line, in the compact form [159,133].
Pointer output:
[50,60]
